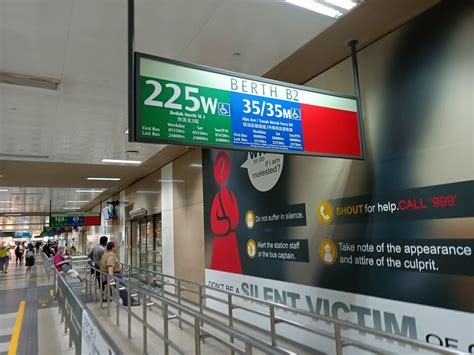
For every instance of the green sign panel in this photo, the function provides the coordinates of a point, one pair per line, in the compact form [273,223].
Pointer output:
[179,103]
[74,220]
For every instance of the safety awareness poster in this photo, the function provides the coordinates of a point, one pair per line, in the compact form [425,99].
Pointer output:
[280,229]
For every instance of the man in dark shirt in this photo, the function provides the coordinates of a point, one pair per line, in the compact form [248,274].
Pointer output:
[95,255]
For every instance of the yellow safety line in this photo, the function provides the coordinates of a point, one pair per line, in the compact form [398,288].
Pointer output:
[16,330]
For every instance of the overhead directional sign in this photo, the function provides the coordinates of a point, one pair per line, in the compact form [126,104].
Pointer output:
[74,220]
[179,103]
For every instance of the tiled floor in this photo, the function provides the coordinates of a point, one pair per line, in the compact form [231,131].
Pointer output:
[15,287]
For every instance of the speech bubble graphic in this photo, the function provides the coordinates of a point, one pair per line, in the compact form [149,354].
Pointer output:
[264,169]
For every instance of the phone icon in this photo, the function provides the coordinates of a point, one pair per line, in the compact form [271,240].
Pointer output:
[324,215]
[325,212]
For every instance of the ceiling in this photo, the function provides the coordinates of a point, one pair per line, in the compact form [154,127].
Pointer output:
[83,45]
[51,140]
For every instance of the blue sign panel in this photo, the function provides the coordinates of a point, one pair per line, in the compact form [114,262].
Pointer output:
[262,122]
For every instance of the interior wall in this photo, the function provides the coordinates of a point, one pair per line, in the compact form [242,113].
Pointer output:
[189,217]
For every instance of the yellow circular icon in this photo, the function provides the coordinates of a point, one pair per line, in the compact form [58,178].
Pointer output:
[325,212]
[327,252]
[250,219]
[251,248]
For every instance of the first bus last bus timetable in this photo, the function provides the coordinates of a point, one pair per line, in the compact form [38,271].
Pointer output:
[248,114]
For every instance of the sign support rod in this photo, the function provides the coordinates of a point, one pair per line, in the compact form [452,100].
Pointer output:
[355,73]
[50,212]
[131,68]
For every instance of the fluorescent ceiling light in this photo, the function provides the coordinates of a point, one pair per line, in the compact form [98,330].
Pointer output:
[91,191]
[168,180]
[71,208]
[3,190]
[196,165]
[316,7]
[28,80]
[147,192]
[103,179]
[24,156]
[6,201]
[13,214]
[119,161]
[345,4]
[77,201]
[8,208]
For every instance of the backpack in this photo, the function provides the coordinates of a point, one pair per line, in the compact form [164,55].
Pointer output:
[29,253]
[17,249]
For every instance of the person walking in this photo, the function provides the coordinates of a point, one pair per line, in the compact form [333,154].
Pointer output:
[29,259]
[110,264]
[3,258]
[95,255]
[18,253]
[63,264]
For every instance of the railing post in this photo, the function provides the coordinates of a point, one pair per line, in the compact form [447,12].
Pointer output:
[231,318]
[117,299]
[272,325]
[197,337]
[248,349]
[180,323]
[200,301]
[162,285]
[165,327]
[108,295]
[337,337]
[129,311]
[145,351]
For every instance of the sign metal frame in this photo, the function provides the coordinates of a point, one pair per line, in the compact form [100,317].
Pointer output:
[134,121]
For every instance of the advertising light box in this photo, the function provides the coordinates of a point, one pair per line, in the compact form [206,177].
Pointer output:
[180,103]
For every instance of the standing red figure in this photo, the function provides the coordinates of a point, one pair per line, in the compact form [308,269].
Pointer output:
[224,221]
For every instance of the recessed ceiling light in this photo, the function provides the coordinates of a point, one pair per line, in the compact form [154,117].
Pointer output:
[1,176]
[126,131]
[316,7]
[96,191]
[119,161]
[103,179]
[345,4]
[147,192]
[71,208]
[170,180]
[196,165]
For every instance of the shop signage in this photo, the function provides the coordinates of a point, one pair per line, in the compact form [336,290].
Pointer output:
[180,103]
[74,219]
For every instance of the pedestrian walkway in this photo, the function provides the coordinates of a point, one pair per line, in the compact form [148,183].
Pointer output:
[22,298]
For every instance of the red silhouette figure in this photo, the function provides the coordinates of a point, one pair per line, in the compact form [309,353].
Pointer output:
[224,221]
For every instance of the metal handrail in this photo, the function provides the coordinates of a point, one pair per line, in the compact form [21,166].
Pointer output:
[69,305]
[199,319]
[46,264]
[274,320]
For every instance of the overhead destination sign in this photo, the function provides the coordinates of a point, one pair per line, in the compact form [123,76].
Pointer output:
[74,219]
[179,103]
